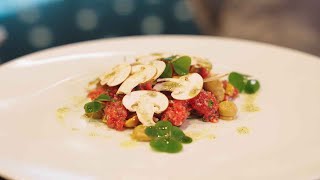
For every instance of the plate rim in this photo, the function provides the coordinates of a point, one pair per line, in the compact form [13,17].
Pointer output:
[28,57]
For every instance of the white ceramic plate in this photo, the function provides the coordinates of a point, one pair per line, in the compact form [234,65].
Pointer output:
[283,141]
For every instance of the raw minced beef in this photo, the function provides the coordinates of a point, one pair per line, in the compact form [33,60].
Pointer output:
[115,114]
[177,112]
[206,105]
[96,92]
[110,91]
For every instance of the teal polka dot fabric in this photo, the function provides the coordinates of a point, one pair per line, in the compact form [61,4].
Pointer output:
[41,24]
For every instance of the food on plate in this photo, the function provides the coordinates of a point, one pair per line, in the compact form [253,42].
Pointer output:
[145,104]
[157,93]
[227,110]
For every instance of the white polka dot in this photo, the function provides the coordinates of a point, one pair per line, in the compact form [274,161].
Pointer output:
[86,19]
[40,37]
[30,15]
[182,11]
[152,25]
[123,7]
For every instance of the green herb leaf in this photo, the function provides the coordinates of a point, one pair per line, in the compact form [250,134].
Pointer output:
[182,65]
[163,128]
[210,103]
[93,106]
[241,82]
[186,140]
[166,138]
[103,97]
[151,131]
[237,80]
[164,144]
[177,134]
[167,73]
[163,124]
[252,86]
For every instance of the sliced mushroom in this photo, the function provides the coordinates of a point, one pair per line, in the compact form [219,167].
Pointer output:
[116,75]
[145,104]
[160,66]
[139,74]
[182,88]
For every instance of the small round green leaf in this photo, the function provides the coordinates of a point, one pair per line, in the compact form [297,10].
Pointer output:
[252,86]
[164,144]
[166,138]
[151,131]
[182,65]
[173,146]
[163,128]
[161,124]
[177,133]
[103,97]
[91,107]
[237,80]
[186,140]
[167,73]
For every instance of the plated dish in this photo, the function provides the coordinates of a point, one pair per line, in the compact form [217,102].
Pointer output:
[157,93]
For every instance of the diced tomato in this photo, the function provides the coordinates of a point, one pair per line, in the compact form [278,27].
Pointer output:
[177,112]
[206,105]
[115,114]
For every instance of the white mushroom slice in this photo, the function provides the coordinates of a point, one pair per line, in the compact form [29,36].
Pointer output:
[145,104]
[136,68]
[182,88]
[116,75]
[139,74]
[160,66]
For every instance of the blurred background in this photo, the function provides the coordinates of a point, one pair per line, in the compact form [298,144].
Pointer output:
[27,26]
